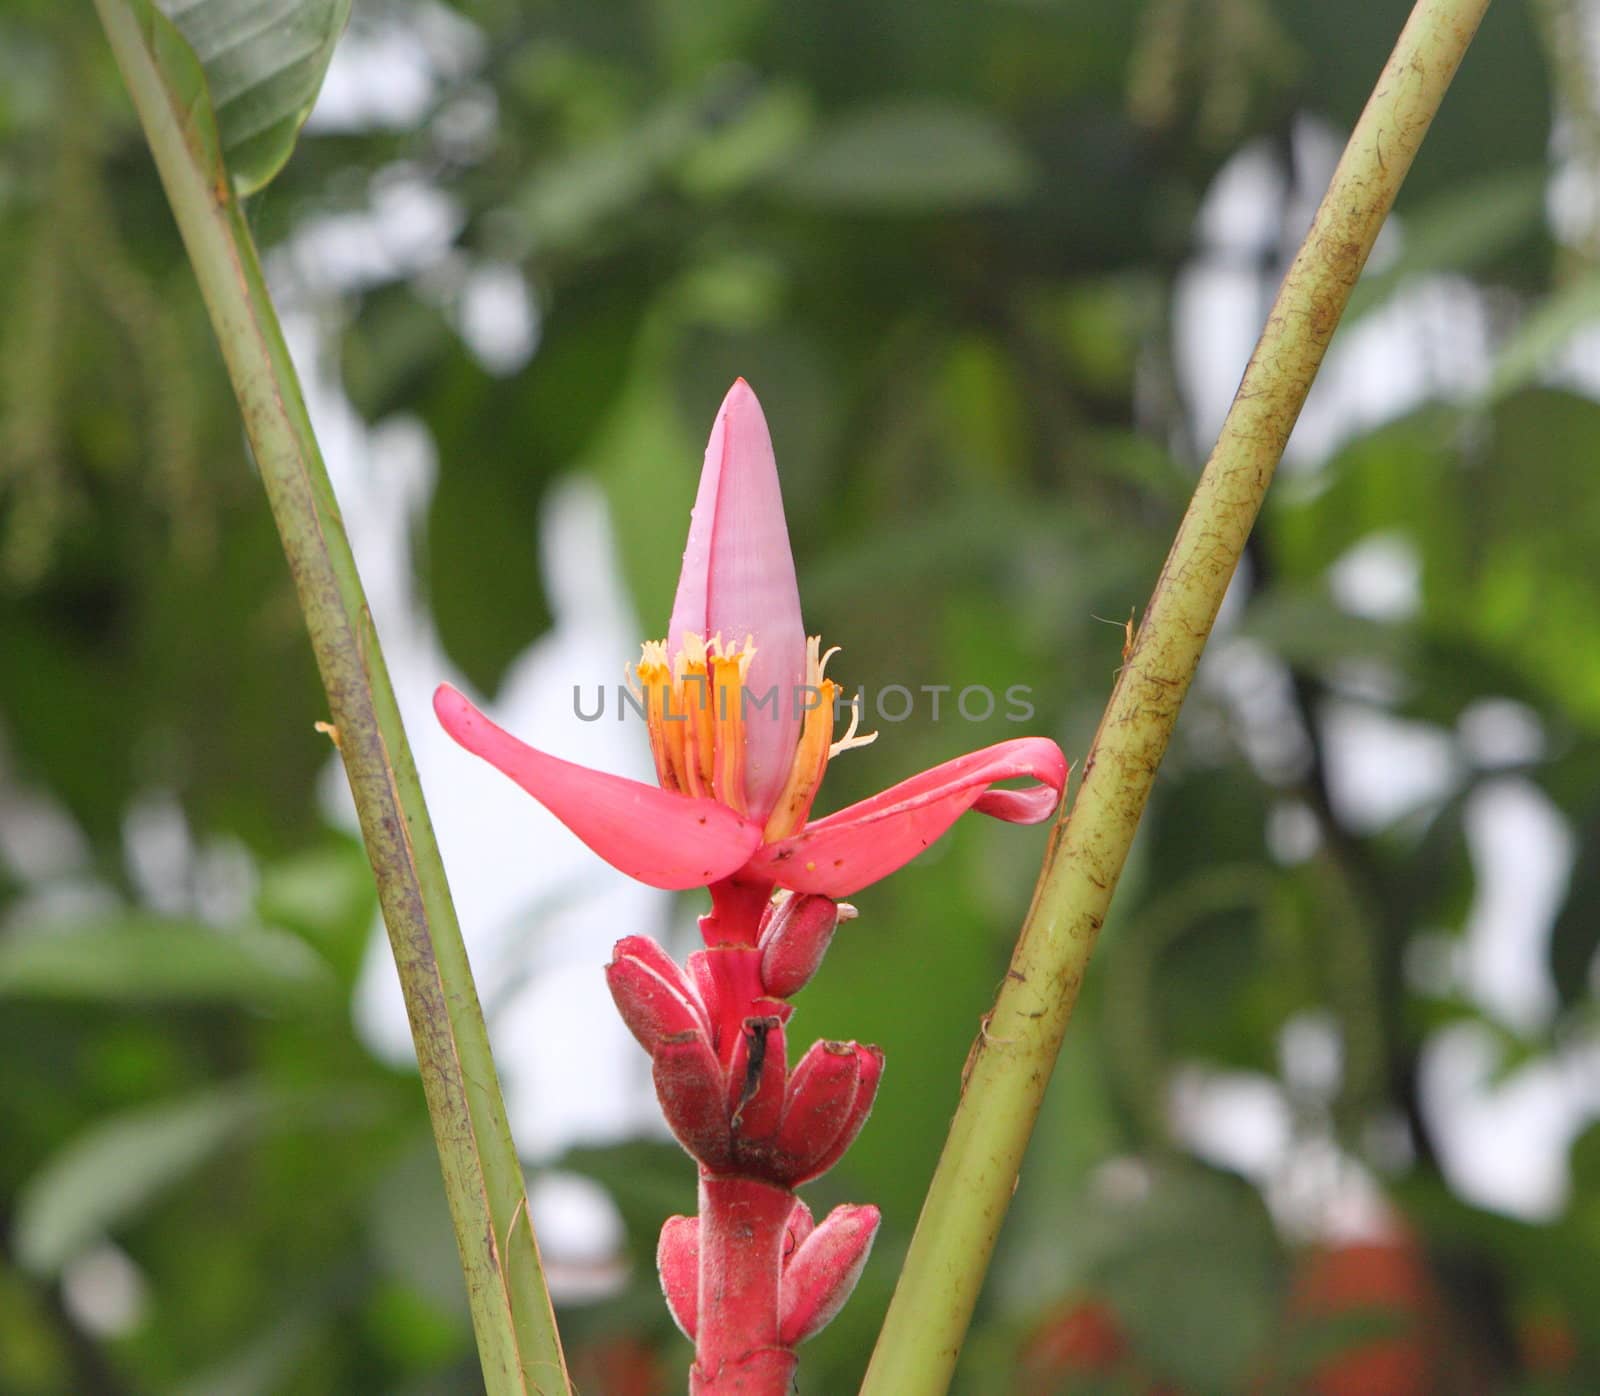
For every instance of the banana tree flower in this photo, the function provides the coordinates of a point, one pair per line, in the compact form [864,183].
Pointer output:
[741,714]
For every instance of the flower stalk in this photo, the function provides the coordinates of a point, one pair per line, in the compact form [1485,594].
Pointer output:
[1012,1059]
[741,720]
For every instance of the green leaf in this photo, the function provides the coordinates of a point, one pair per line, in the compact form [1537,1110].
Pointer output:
[108,1174]
[264,61]
[141,960]
[918,156]
[1193,1272]
[1547,329]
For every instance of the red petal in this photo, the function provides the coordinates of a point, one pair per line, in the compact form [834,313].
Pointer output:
[666,840]
[867,841]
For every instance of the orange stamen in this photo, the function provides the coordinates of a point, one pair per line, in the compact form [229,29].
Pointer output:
[727,680]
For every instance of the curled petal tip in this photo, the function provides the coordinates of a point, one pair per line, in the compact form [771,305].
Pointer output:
[846,851]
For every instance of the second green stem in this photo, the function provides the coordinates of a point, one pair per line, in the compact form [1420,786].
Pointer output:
[1016,1049]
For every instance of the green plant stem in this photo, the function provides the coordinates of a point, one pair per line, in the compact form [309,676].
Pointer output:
[511,1312]
[1016,1049]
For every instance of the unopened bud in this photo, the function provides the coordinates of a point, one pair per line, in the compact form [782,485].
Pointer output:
[794,937]
[678,1262]
[871,1062]
[823,1271]
[822,1091]
[757,1076]
[690,1086]
[652,994]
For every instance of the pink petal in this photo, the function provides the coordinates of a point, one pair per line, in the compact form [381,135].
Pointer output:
[666,840]
[867,841]
[738,579]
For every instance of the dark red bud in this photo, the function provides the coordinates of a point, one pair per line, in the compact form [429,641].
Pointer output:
[823,1272]
[756,1080]
[795,935]
[678,1262]
[821,1093]
[871,1059]
[690,1087]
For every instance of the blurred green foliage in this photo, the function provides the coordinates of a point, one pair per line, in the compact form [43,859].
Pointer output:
[946,243]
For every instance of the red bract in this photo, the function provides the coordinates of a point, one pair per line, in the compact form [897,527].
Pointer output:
[740,714]
[820,1266]
[725,1087]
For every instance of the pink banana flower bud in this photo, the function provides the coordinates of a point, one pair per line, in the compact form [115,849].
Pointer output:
[757,1076]
[740,714]
[871,1059]
[822,1272]
[740,717]
[794,936]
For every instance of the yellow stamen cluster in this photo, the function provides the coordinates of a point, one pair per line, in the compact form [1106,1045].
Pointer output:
[694,704]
